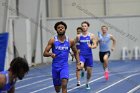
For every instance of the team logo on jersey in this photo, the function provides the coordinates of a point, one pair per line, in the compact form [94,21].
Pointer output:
[85,41]
[62,47]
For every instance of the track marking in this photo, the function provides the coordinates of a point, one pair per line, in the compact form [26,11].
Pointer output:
[31,78]
[100,78]
[85,84]
[48,87]
[134,89]
[70,80]
[28,78]
[117,82]
[32,83]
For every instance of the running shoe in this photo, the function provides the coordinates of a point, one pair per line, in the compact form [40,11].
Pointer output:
[87,86]
[106,74]
[78,83]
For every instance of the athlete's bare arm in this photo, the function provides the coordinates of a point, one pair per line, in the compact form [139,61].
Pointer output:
[76,54]
[2,81]
[77,38]
[47,49]
[97,41]
[114,42]
[94,40]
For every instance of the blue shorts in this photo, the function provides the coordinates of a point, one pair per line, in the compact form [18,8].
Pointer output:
[58,74]
[87,60]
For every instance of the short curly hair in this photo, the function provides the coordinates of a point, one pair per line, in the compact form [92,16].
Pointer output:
[17,64]
[58,23]
[79,28]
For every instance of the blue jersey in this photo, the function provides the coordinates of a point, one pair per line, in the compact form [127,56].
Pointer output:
[84,41]
[104,42]
[61,49]
[78,45]
[7,86]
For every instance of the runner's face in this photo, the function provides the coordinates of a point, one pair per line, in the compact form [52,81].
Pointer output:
[21,74]
[84,27]
[61,30]
[104,29]
[79,31]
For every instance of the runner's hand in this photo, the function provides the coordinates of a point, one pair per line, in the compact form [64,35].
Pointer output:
[53,55]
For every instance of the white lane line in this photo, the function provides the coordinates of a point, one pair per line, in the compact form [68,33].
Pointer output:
[70,79]
[48,87]
[52,85]
[117,82]
[134,89]
[37,82]
[31,78]
[33,83]
[28,78]
[101,78]
[85,84]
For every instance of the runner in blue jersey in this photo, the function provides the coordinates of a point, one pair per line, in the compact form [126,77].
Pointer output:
[104,50]
[87,43]
[18,68]
[79,31]
[60,45]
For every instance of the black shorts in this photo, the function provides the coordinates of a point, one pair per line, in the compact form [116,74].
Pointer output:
[102,54]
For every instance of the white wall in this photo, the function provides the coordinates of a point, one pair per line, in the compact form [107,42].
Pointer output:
[22,38]
[123,7]
[70,8]
[34,10]
[30,11]
[54,8]
[19,43]
[3,14]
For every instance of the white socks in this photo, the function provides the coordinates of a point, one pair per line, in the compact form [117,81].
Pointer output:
[106,69]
